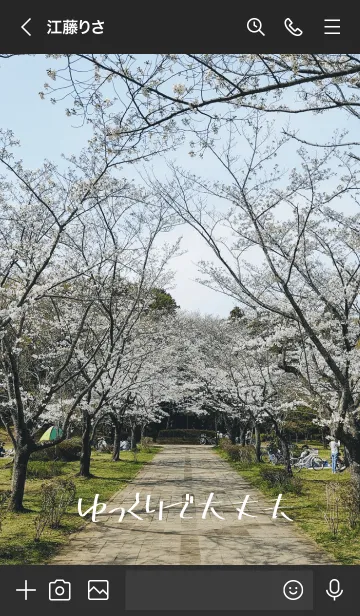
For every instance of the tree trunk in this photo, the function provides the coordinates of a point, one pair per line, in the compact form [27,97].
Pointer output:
[355,478]
[242,435]
[285,448]
[116,446]
[351,440]
[233,430]
[142,432]
[132,437]
[21,459]
[353,452]
[85,455]
[286,454]
[257,443]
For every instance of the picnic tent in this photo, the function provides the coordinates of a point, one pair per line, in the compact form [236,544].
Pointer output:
[51,434]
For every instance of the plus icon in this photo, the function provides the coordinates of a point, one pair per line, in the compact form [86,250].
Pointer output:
[25,590]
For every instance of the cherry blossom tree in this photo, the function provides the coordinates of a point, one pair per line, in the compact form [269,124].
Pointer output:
[306,268]
[171,96]
[64,234]
[136,366]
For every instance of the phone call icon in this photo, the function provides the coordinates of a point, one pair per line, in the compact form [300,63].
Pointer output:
[291,28]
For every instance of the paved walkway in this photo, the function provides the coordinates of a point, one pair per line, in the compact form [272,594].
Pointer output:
[176,471]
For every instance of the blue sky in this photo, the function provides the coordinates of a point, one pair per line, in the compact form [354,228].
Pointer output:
[46,132]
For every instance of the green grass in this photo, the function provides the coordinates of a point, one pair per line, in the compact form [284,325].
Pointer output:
[17,544]
[307,509]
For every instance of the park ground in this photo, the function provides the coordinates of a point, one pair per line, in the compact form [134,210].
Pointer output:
[308,508]
[172,472]
[17,544]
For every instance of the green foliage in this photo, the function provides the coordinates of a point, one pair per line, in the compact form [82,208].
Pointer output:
[280,480]
[245,455]
[236,314]
[183,436]
[44,469]
[67,451]
[300,421]
[163,301]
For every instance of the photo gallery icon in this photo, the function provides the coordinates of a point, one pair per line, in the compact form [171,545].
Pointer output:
[98,590]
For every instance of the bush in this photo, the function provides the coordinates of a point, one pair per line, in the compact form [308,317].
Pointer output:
[4,504]
[233,452]
[146,443]
[351,503]
[67,451]
[183,436]
[225,443]
[44,469]
[135,455]
[56,498]
[244,454]
[279,479]
[333,493]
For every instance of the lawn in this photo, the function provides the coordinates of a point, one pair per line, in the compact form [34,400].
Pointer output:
[17,544]
[307,509]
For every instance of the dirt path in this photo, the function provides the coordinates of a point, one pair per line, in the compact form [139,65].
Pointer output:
[175,472]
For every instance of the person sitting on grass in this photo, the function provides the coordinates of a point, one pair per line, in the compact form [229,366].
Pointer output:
[305,451]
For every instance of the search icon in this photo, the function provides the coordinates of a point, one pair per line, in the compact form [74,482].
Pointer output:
[254,25]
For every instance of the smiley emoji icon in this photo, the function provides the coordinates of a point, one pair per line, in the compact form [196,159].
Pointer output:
[293,590]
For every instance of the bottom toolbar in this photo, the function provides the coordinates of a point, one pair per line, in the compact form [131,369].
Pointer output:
[318,590]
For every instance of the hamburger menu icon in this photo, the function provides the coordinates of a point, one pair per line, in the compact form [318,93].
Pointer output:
[98,590]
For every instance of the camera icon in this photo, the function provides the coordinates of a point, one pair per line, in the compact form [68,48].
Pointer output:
[59,591]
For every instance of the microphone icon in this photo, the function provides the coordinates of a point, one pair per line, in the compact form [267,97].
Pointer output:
[334,591]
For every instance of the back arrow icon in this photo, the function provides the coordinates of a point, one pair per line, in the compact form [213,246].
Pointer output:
[25,24]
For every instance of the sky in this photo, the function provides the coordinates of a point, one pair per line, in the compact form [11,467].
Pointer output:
[45,132]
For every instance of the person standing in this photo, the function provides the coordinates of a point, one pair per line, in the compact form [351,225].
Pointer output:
[334,448]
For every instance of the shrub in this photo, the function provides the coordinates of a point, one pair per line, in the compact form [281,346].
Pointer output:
[333,493]
[247,454]
[67,451]
[225,443]
[146,443]
[40,522]
[233,452]
[56,498]
[42,469]
[4,504]
[279,479]
[183,436]
[244,454]
[351,503]
[135,454]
